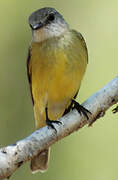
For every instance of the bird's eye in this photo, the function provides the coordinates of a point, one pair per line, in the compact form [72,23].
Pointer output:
[51,17]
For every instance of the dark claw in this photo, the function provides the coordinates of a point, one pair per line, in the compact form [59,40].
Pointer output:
[81,110]
[50,122]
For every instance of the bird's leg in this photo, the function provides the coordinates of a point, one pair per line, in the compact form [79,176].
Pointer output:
[50,122]
[70,106]
[81,109]
[68,109]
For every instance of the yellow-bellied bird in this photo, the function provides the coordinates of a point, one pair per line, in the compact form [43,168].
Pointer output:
[56,63]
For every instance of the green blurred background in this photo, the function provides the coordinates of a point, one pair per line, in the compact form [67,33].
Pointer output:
[91,153]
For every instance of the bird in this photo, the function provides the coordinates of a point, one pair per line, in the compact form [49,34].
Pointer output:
[56,63]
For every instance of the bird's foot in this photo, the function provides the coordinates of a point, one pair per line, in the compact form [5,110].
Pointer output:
[81,110]
[50,122]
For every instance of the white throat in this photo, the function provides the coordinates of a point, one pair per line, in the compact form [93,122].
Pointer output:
[49,31]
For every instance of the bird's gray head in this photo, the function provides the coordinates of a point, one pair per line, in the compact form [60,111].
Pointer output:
[47,23]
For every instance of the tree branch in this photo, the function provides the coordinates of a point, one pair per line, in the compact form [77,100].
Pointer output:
[13,156]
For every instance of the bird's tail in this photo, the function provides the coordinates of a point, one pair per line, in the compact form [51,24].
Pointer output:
[40,161]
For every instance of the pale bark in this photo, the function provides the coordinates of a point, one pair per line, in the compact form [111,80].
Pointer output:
[13,156]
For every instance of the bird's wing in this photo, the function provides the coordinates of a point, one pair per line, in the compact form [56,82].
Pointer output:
[80,37]
[29,75]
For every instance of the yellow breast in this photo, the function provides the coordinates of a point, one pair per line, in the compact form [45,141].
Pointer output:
[56,76]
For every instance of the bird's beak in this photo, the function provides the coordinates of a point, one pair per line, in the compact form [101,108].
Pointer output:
[36,26]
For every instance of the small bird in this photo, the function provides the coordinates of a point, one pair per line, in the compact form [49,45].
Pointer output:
[56,63]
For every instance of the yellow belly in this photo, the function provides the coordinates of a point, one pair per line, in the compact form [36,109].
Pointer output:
[55,81]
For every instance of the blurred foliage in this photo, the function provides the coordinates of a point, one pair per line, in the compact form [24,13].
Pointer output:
[91,153]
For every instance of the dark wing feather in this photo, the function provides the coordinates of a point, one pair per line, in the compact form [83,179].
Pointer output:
[29,75]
